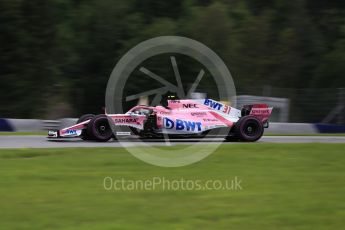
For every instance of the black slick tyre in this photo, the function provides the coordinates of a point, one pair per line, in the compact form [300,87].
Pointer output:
[99,128]
[84,134]
[249,128]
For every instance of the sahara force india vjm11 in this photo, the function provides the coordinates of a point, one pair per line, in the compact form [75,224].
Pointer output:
[180,118]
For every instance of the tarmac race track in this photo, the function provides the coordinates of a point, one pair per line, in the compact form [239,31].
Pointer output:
[43,142]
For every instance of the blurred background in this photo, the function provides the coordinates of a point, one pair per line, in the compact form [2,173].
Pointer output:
[56,55]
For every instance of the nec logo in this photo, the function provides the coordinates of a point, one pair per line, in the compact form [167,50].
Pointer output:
[182,125]
[190,106]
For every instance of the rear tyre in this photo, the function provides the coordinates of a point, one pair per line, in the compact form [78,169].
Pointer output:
[99,128]
[249,128]
[84,134]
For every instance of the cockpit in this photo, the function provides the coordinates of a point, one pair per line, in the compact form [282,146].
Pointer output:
[140,110]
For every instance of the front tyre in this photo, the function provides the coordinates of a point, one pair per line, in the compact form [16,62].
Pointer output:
[84,135]
[99,128]
[249,128]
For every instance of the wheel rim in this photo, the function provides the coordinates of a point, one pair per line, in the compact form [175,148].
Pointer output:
[103,127]
[251,129]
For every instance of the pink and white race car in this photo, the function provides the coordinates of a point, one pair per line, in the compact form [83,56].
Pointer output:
[180,118]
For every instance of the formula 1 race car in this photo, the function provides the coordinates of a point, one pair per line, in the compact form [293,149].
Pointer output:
[181,118]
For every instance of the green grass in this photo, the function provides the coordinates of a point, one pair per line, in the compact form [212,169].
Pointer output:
[23,133]
[284,186]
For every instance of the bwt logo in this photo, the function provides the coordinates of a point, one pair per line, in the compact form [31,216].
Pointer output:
[181,124]
[71,131]
[213,104]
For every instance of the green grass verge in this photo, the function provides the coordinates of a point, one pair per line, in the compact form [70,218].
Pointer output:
[23,133]
[284,186]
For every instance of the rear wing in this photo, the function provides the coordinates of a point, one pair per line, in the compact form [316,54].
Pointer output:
[261,111]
